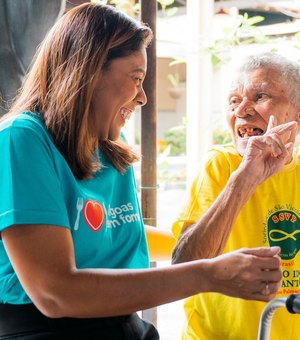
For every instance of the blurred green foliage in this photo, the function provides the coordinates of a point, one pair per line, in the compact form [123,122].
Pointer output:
[174,141]
[221,136]
[244,32]
[175,138]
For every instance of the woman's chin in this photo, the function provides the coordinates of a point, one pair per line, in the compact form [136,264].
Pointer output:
[113,136]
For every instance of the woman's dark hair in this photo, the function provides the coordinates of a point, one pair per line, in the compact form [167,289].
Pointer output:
[61,81]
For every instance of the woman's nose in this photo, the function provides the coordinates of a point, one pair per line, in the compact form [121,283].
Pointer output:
[141,97]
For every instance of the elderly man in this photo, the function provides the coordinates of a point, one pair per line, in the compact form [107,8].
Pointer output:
[266,89]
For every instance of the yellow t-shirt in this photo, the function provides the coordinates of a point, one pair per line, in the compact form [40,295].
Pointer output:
[270,217]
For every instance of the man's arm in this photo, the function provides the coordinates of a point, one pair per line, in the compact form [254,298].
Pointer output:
[265,155]
[208,236]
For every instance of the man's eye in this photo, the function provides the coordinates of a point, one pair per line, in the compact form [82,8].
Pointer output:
[233,101]
[261,96]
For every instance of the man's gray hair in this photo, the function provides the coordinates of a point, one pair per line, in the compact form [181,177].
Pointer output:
[288,70]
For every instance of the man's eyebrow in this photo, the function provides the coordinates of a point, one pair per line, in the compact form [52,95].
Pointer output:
[262,86]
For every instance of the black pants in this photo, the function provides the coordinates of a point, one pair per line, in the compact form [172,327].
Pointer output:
[27,323]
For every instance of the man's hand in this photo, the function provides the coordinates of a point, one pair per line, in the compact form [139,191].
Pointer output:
[266,155]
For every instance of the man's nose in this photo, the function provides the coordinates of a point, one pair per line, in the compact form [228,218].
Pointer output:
[245,108]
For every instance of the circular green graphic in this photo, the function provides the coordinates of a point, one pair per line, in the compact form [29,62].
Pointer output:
[284,231]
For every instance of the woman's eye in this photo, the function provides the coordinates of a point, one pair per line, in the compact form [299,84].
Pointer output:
[138,80]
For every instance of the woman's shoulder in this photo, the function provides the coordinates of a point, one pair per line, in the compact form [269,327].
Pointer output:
[25,130]
[21,120]
[24,124]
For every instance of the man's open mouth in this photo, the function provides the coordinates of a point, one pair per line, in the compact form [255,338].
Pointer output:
[245,132]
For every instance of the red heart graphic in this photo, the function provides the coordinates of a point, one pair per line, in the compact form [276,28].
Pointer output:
[93,214]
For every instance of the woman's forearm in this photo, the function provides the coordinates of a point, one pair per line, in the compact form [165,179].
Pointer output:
[105,292]
[98,292]
[43,259]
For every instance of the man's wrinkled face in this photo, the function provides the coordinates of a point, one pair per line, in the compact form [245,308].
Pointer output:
[255,96]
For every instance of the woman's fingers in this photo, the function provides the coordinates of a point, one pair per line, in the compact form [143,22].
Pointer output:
[262,251]
[251,273]
[267,291]
[269,263]
[271,275]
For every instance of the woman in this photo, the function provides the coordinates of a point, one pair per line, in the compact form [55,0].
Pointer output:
[72,231]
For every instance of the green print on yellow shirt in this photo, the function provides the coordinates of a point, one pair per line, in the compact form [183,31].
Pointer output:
[283,231]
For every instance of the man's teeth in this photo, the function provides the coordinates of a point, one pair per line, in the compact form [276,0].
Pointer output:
[246,130]
[249,131]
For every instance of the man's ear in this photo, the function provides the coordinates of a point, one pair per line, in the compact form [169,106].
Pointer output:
[297,118]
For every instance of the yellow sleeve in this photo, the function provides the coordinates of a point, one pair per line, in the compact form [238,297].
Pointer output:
[210,179]
[160,243]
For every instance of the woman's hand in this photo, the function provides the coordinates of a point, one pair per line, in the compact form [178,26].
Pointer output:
[252,274]
[265,155]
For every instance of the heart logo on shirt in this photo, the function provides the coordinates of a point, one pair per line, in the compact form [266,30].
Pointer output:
[93,214]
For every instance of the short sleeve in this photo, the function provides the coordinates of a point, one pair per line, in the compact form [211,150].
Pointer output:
[207,184]
[30,188]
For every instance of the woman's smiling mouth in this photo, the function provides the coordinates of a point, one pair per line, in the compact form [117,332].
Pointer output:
[125,113]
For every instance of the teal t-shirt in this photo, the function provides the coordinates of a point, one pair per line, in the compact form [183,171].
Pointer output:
[38,187]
